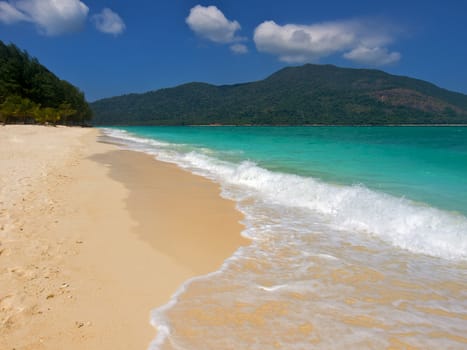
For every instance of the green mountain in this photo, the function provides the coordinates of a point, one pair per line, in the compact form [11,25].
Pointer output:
[310,94]
[29,92]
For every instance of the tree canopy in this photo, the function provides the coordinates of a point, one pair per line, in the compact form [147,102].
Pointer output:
[29,92]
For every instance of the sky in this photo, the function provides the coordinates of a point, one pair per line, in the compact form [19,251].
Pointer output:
[109,48]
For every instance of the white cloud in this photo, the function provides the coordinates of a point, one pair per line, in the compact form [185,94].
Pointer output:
[359,41]
[239,49]
[53,17]
[373,56]
[9,14]
[109,22]
[210,23]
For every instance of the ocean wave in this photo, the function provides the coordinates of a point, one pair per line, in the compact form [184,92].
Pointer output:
[401,222]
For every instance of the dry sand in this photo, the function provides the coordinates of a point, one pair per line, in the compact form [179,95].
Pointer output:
[92,238]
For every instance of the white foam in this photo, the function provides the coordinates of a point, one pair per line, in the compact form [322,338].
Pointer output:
[132,140]
[158,316]
[398,221]
[273,288]
[282,213]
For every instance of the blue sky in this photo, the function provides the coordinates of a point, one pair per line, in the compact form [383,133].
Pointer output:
[108,48]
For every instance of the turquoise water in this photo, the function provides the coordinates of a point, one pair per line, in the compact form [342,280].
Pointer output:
[426,164]
[356,231]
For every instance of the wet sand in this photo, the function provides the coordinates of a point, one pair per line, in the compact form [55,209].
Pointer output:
[92,238]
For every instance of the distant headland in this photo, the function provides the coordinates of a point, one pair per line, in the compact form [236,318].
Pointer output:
[306,95]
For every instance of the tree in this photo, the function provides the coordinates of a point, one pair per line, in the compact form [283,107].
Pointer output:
[29,91]
[12,108]
[16,109]
[66,112]
[48,115]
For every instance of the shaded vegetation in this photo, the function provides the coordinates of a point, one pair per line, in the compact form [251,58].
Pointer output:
[30,93]
[310,94]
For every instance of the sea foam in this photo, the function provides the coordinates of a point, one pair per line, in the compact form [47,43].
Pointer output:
[403,223]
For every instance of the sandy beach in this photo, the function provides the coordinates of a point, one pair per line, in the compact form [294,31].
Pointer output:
[92,238]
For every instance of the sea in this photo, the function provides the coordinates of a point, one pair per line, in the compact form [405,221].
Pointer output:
[358,237]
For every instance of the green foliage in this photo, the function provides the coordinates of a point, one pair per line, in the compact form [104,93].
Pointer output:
[29,92]
[48,115]
[16,109]
[310,94]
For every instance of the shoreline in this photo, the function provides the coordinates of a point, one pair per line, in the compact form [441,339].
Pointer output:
[288,125]
[103,243]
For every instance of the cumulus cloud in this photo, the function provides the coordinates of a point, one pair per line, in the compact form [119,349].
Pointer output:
[109,22]
[239,49]
[52,17]
[210,23]
[362,42]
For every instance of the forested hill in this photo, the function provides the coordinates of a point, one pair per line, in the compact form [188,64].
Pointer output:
[29,92]
[310,94]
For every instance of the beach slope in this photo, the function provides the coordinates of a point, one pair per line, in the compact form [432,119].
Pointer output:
[93,237]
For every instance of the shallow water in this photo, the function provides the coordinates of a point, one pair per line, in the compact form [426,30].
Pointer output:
[359,238]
